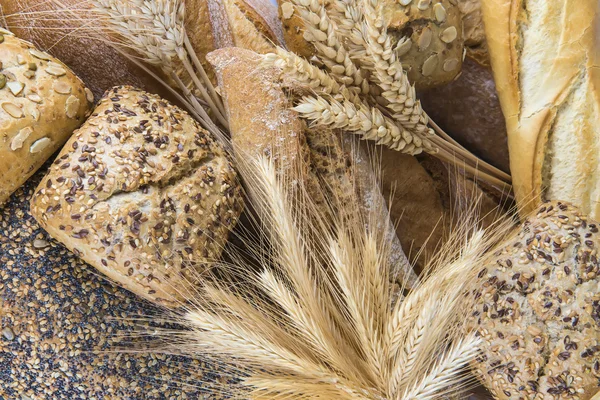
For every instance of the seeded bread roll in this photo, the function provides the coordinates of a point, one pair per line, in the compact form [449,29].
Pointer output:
[41,103]
[143,194]
[544,55]
[538,309]
[430,39]
[429,36]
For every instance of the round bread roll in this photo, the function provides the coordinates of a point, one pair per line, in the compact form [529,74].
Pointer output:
[41,103]
[538,309]
[430,39]
[143,194]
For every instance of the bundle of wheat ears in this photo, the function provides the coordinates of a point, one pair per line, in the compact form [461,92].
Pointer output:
[317,318]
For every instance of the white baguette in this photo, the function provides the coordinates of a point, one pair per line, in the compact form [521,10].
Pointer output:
[544,55]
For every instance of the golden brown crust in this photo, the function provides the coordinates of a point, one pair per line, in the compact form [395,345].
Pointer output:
[293,30]
[261,122]
[143,194]
[41,103]
[544,57]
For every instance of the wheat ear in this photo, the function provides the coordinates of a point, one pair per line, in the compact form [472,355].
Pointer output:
[321,32]
[448,368]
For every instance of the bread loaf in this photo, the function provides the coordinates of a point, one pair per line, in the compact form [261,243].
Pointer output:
[544,55]
[143,194]
[41,103]
[61,325]
[538,309]
[333,172]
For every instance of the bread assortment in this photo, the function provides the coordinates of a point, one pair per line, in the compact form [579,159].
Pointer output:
[143,194]
[211,24]
[41,103]
[538,309]
[544,57]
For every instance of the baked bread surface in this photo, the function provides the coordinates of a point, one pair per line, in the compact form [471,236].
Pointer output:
[41,103]
[143,194]
[544,54]
[538,309]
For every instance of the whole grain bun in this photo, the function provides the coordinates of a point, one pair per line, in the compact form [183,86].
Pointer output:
[41,103]
[544,55]
[61,322]
[538,309]
[143,194]
[334,171]
[210,24]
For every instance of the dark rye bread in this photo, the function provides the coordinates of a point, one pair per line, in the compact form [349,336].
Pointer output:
[538,309]
[143,194]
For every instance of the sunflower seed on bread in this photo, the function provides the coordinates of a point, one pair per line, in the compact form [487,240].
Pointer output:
[35,118]
[143,194]
[538,309]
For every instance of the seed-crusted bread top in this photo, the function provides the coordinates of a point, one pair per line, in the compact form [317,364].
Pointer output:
[538,309]
[41,103]
[143,194]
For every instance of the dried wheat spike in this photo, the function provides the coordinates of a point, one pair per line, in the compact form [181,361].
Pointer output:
[321,31]
[389,74]
[348,16]
[361,119]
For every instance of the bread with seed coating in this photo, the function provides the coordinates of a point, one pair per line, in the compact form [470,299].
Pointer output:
[538,309]
[142,193]
[41,103]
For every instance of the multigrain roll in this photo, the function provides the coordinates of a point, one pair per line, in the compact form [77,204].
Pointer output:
[41,103]
[61,324]
[538,309]
[143,194]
